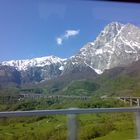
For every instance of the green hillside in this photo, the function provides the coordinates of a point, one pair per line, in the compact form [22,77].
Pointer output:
[119,81]
[122,85]
[83,87]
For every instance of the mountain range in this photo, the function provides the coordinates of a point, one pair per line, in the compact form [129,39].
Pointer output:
[117,45]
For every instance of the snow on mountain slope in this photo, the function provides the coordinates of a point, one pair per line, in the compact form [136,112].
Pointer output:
[35,62]
[117,44]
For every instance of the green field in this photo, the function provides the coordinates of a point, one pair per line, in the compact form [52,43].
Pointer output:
[100,126]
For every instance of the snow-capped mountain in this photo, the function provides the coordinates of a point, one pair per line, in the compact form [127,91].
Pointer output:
[118,44]
[35,62]
[37,69]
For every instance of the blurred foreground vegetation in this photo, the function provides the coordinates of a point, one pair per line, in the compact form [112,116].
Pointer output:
[99,126]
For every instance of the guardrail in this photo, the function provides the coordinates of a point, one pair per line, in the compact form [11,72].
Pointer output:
[72,128]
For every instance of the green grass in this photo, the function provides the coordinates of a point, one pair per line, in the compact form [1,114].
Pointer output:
[39,129]
[122,135]
[101,126]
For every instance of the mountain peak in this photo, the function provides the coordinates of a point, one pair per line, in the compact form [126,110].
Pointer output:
[115,23]
[108,34]
[117,44]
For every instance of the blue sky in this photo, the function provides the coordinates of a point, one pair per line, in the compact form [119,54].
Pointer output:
[33,28]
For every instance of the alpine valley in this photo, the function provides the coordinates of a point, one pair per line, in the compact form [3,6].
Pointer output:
[114,55]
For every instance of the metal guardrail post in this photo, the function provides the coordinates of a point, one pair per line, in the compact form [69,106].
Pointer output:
[138,102]
[72,127]
[137,124]
[131,102]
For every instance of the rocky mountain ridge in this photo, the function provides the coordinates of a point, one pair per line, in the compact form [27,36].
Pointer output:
[118,44]
[35,62]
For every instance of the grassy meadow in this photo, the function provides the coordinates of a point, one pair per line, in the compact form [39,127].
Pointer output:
[99,126]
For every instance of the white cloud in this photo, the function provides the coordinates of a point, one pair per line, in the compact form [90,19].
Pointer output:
[59,40]
[67,35]
[70,33]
